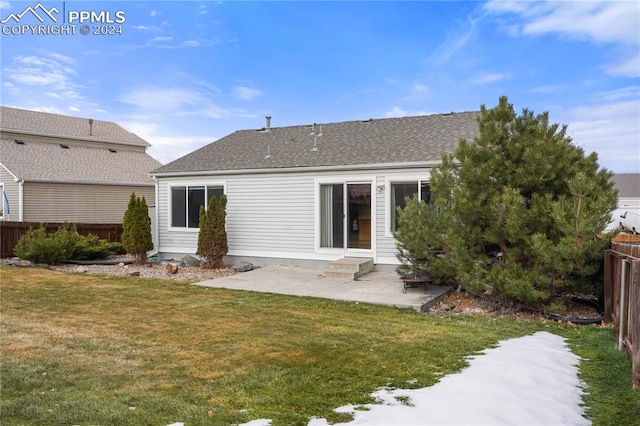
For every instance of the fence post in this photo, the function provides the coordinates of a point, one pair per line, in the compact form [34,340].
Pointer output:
[608,285]
[623,306]
[634,320]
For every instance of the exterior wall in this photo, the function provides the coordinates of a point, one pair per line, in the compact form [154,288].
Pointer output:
[57,202]
[11,188]
[71,142]
[275,216]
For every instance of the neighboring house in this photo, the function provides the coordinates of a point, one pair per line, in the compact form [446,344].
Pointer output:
[310,193]
[56,168]
[627,215]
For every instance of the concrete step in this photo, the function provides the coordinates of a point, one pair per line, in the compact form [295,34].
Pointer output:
[349,268]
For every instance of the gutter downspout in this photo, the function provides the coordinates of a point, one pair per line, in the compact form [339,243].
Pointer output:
[156,247]
[20,200]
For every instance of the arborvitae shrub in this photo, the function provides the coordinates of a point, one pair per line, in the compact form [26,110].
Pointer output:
[136,235]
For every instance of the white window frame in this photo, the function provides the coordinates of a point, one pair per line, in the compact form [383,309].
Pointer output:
[187,184]
[344,180]
[419,179]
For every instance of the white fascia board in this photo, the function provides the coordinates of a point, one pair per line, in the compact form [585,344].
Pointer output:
[346,167]
[81,182]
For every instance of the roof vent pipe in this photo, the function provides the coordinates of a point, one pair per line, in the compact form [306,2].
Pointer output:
[268,117]
[91,127]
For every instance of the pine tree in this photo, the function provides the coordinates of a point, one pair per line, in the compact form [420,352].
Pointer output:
[212,239]
[520,208]
[136,235]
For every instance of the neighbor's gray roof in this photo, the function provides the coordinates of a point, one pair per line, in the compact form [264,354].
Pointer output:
[38,161]
[628,184]
[22,120]
[379,141]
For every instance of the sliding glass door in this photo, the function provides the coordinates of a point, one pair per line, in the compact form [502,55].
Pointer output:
[352,224]
[332,215]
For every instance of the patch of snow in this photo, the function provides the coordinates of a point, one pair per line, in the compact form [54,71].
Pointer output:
[530,380]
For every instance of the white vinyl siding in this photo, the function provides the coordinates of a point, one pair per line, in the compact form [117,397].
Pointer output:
[277,215]
[265,214]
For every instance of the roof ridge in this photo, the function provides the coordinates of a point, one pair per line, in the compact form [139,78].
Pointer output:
[452,113]
[32,111]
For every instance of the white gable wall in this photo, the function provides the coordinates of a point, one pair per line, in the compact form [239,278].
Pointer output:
[273,217]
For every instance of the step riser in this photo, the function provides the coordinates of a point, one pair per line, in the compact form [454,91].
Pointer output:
[349,269]
[334,275]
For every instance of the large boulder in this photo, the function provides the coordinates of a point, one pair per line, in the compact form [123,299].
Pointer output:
[189,260]
[243,266]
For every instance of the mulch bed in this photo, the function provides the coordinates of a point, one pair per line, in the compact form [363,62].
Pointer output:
[463,303]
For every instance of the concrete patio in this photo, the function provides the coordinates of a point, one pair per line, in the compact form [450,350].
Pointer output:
[381,288]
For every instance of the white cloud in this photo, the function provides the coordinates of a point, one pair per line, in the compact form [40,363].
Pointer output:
[420,88]
[153,98]
[74,109]
[600,22]
[165,147]
[203,9]
[162,38]
[5,4]
[488,78]
[609,125]
[178,101]
[154,13]
[626,67]
[52,72]
[186,43]
[397,111]
[550,88]
[456,40]
[245,93]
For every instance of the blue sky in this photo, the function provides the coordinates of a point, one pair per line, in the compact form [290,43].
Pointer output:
[183,74]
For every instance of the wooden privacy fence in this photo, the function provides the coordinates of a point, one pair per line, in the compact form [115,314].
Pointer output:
[11,232]
[622,299]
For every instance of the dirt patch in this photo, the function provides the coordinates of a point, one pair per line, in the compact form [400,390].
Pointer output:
[463,303]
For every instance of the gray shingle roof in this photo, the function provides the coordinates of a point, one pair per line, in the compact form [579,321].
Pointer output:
[21,120]
[628,184]
[38,161]
[379,141]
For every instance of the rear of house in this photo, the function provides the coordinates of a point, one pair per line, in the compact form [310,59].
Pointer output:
[307,194]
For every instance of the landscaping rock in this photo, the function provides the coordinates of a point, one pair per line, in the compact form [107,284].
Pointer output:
[243,266]
[171,268]
[189,260]
[80,270]
[134,274]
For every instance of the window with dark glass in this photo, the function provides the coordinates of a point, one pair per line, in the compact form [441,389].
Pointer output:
[399,193]
[186,202]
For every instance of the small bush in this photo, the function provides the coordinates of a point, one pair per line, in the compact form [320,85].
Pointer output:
[38,248]
[92,247]
[63,245]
